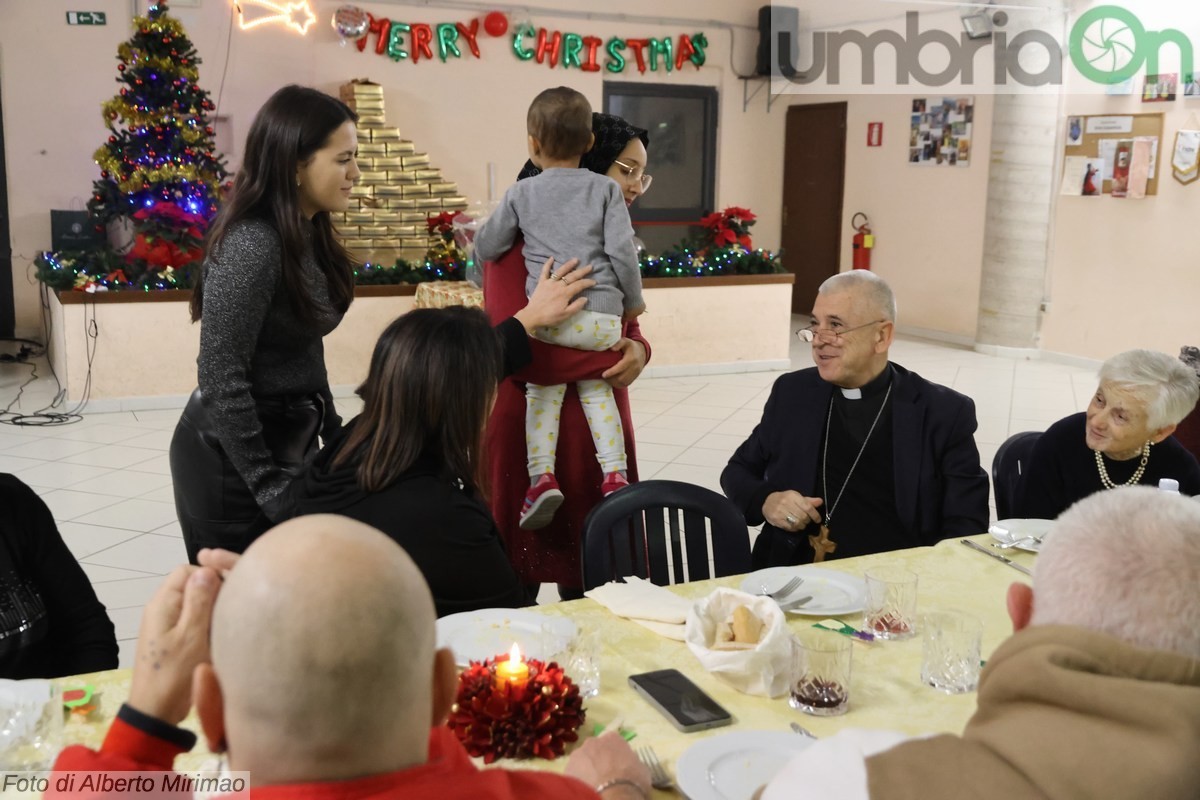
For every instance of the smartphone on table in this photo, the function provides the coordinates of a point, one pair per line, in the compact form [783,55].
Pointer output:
[680,700]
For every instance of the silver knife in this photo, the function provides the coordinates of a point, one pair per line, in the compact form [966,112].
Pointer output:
[997,556]
[794,604]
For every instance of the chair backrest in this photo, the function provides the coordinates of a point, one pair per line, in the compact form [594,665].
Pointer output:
[663,531]
[1007,467]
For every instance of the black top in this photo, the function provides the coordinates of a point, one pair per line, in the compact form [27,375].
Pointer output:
[939,488]
[864,519]
[51,623]
[253,346]
[448,531]
[1062,470]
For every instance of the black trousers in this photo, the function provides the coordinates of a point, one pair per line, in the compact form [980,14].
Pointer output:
[215,506]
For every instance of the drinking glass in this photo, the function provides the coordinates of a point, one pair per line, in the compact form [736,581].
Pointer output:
[950,651]
[891,608]
[820,673]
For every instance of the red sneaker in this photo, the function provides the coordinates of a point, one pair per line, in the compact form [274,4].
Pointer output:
[541,502]
[612,482]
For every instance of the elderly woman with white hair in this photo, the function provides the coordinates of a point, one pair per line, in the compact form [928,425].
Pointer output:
[1123,439]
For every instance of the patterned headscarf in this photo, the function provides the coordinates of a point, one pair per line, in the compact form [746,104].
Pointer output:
[612,134]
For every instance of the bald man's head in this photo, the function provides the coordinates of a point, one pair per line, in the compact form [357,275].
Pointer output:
[322,642]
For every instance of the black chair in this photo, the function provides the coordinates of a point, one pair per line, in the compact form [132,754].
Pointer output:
[1007,468]
[649,528]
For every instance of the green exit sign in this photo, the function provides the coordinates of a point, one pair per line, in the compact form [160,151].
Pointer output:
[86,18]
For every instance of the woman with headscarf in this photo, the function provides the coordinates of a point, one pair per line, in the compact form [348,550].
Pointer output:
[551,554]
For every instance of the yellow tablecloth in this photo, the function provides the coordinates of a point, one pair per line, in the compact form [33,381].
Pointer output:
[440,294]
[885,690]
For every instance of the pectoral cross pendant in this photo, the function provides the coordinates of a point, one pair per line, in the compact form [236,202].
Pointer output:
[821,544]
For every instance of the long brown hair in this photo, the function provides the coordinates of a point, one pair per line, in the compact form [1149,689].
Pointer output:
[427,396]
[294,124]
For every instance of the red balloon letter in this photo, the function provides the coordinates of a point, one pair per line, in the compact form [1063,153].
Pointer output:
[469,33]
[684,51]
[637,45]
[553,48]
[422,35]
[592,43]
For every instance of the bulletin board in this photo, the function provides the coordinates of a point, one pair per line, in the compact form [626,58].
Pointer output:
[1143,125]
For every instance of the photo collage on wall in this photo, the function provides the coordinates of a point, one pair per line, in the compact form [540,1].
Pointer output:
[940,133]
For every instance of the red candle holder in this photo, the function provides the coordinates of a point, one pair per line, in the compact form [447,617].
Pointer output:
[536,720]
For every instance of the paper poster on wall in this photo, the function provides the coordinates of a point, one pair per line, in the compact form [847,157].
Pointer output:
[1139,168]
[1185,161]
[1074,170]
[1160,88]
[1074,131]
[1123,124]
[1108,152]
[1191,85]
[940,131]
[1123,153]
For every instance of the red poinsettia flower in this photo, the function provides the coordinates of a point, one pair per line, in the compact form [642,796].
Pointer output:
[744,214]
[440,223]
[713,220]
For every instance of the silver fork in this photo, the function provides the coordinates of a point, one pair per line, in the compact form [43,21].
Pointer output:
[1024,540]
[782,591]
[659,778]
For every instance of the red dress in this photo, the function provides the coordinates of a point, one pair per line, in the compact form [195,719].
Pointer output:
[549,555]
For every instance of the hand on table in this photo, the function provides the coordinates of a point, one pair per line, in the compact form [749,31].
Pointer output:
[556,297]
[172,641]
[791,511]
[627,370]
[608,758]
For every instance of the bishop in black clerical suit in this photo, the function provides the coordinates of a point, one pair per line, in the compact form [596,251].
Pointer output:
[857,455]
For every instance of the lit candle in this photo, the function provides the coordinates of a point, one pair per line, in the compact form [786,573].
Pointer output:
[514,672]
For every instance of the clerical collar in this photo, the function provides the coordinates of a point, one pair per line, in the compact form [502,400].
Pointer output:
[875,387]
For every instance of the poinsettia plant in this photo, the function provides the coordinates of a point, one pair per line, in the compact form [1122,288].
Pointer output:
[729,227]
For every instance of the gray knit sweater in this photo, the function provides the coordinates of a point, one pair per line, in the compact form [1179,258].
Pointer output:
[252,346]
[570,213]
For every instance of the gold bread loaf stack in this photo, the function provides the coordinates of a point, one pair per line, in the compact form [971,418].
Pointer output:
[398,191]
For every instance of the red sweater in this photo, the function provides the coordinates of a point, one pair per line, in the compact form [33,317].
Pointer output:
[552,553]
[449,773]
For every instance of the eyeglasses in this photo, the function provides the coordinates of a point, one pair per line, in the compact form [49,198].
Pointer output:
[828,335]
[632,173]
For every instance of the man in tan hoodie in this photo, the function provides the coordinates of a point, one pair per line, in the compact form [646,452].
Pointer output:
[1096,694]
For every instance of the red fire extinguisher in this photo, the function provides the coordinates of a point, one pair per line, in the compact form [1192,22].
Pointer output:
[864,241]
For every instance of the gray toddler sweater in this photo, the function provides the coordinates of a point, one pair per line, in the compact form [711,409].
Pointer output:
[570,213]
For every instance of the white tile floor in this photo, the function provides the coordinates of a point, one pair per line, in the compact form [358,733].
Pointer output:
[108,483]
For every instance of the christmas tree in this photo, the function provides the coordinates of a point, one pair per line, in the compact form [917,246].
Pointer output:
[160,174]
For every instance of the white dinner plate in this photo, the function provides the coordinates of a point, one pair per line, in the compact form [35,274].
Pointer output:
[733,765]
[833,593]
[1010,530]
[478,635]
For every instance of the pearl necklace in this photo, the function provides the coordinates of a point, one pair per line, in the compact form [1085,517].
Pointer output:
[1137,474]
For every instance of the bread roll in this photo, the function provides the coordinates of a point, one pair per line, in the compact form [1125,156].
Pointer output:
[747,627]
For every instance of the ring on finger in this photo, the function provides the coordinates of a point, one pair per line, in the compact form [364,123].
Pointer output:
[791,520]
[554,277]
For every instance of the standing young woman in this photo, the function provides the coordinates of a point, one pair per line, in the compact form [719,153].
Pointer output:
[274,282]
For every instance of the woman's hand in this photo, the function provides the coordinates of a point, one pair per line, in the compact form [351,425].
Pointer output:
[626,371]
[556,297]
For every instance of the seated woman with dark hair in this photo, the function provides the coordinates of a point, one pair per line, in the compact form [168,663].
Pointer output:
[51,623]
[1124,437]
[410,464]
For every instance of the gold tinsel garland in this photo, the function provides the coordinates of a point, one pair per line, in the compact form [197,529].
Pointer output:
[138,57]
[120,108]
